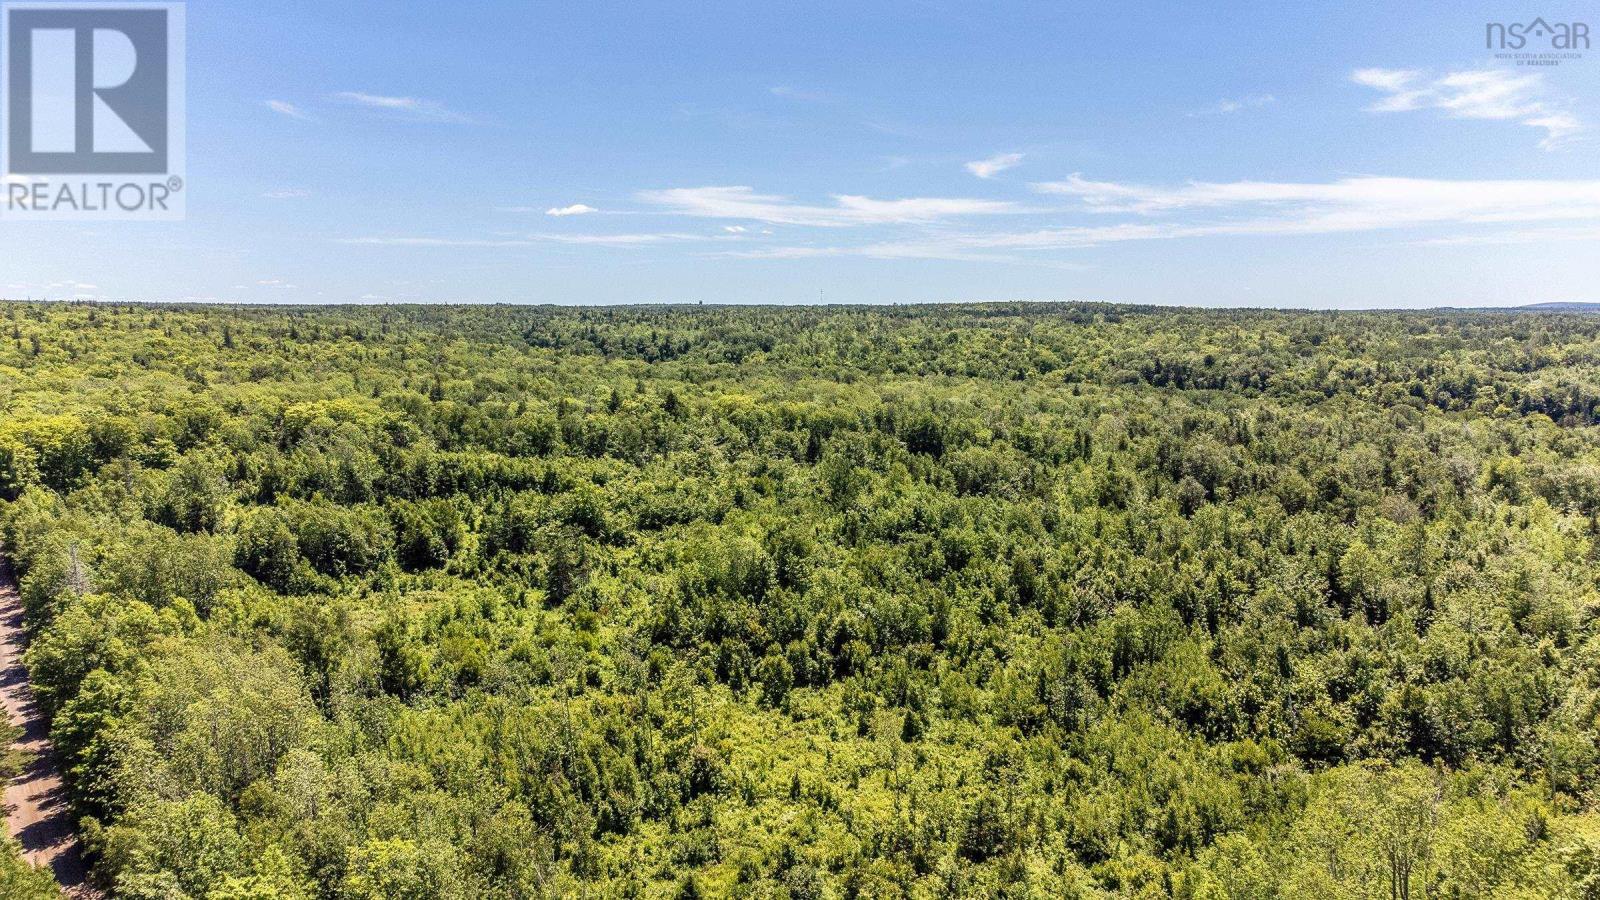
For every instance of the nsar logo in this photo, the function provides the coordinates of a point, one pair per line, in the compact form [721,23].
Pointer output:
[1518,36]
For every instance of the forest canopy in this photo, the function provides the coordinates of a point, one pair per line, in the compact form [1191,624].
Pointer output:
[939,601]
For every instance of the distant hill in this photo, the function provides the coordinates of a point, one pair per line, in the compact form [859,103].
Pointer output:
[1560,306]
[1567,306]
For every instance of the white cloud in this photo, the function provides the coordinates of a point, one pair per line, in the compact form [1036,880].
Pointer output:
[735,229]
[1493,94]
[739,202]
[994,165]
[1228,106]
[412,107]
[285,108]
[576,209]
[287,194]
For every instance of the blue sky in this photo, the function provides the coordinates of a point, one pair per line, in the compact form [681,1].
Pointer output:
[1266,155]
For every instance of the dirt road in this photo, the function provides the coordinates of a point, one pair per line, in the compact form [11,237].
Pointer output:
[35,801]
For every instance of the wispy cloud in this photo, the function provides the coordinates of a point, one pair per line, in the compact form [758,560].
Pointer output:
[531,240]
[1436,211]
[739,202]
[287,194]
[948,248]
[285,108]
[1228,106]
[576,209]
[1516,236]
[1349,204]
[1496,94]
[1558,126]
[1566,210]
[994,165]
[416,108]
[60,290]
[620,240]
[799,94]
[424,241]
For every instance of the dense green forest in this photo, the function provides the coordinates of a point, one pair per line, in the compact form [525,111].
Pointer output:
[946,601]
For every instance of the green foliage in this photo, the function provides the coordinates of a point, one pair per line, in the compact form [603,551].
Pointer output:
[1013,601]
[21,881]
